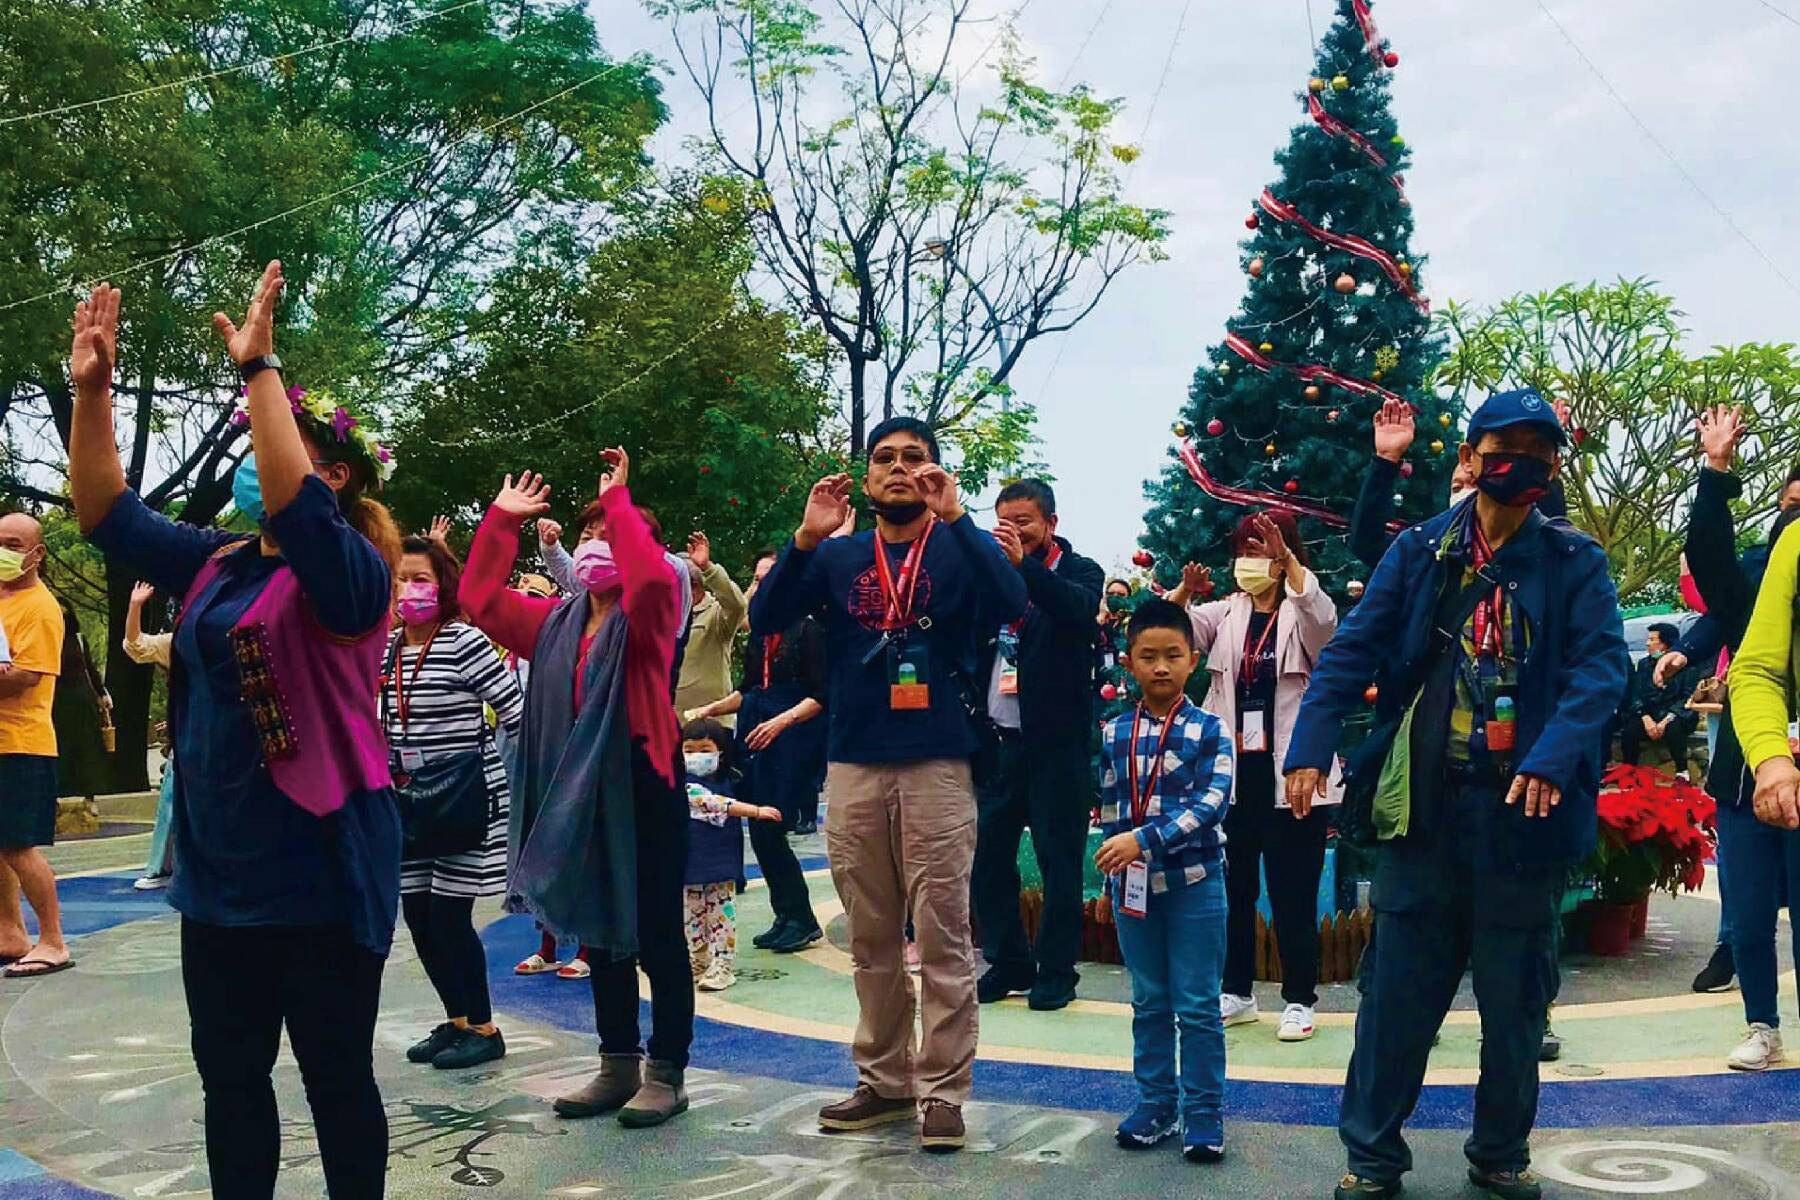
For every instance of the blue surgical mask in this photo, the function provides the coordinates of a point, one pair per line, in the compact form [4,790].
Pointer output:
[246,490]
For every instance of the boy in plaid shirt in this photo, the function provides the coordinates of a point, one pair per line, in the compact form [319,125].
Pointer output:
[1165,783]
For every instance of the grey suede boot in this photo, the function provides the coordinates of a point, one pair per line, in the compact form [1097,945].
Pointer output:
[620,1077]
[662,1096]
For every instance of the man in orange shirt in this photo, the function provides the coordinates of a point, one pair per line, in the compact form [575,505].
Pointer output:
[34,634]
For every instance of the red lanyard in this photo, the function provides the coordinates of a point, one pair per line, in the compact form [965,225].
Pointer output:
[401,706]
[1140,798]
[1490,612]
[1052,556]
[1253,654]
[771,648]
[900,593]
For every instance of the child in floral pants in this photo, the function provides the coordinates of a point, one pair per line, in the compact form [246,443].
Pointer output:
[715,853]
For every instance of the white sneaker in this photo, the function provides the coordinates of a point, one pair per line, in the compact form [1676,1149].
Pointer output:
[150,883]
[1296,1024]
[1760,1050]
[1237,1010]
[718,977]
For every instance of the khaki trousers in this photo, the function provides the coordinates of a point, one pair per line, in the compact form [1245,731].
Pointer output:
[901,837]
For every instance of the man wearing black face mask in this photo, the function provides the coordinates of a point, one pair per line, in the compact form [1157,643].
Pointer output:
[1494,637]
[1750,854]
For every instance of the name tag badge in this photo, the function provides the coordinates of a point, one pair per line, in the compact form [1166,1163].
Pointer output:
[909,674]
[1136,900]
[411,760]
[1253,731]
[1009,679]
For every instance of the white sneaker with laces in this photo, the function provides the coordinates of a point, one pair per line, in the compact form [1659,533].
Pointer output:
[1760,1050]
[1237,1010]
[151,883]
[1296,1024]
[718,977]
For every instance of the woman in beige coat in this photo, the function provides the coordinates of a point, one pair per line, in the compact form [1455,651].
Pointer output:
[1260,644]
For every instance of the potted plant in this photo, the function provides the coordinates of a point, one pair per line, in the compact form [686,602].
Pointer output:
[1655,834]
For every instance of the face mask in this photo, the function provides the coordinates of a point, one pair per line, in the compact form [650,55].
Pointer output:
[419,603]
[1459,495]
[899,514]
[1253,574]
[246,490]
[1513,480]
[702,762]
[12,565]
[1116,604]
[594,566]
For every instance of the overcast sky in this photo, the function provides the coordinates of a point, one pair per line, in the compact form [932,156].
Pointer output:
[1527,173]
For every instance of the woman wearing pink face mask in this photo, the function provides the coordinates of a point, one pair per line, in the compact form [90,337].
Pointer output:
[599,836]
[440,675]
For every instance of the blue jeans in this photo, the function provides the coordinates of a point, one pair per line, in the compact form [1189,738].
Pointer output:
[1763,861]
[160,861]
[1176,955]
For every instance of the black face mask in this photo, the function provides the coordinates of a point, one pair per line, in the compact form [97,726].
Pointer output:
[899,514]
[1513,480]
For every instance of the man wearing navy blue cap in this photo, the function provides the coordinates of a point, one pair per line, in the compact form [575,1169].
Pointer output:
[1494,638]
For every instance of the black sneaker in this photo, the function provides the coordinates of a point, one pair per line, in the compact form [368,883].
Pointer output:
[1052,992]
[795,938]
[1550,1049]
[470,1049]
[1719,971]
[434,1043]
[1002,980]
[771,935]
[805,828]
[1355,1187]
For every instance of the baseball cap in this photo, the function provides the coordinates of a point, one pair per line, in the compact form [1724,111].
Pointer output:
[1523,406]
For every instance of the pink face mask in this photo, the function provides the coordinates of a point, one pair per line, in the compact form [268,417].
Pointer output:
[594,566]
[418,603]
[1690,595]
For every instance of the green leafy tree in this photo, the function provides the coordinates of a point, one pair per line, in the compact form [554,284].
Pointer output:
[934,241]
[655,344]
[1614,352]
[1264,420]
[390,172]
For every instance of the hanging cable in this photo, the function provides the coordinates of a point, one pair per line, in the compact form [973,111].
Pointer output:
[290,56]
[1082,49]
[1788,17]
[1168,63]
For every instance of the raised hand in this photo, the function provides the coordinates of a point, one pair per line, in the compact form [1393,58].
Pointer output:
[618,472]
[1720,429]
[699,550]
[827,506]
[937,487]
[141,594]
[549,532]
[1268,537]
[1196,580]
[1565,412]
[94,350]
[439,531]
[256,337]
[1393,430]
[849,525]
[1008,536]
[528,498]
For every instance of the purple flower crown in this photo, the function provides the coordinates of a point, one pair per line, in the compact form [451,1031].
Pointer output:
[325,409]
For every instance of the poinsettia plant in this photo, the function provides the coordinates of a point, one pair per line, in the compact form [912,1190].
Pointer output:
[1656,832]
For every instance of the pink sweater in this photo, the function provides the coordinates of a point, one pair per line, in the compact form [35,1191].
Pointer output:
[651,601]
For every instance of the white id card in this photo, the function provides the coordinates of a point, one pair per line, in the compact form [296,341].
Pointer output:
[1136,900]
[411,760]
[1253,734]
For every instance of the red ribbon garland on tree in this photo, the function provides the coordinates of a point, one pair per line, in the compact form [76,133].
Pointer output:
[1247,497]
[1337,128]
[1371,35]
[1311,372]
[1361,247]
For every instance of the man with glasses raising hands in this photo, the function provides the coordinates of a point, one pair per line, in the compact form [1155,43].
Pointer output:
[903,606]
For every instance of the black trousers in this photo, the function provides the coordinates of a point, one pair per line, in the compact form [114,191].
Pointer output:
[1048,786]
[662,820]
[1293,854]
[243,984]
[1633,739]
[785,776]
[1442,905]
[443,932]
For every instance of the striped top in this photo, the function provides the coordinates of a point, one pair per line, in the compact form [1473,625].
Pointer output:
[446,697]
[1182,834]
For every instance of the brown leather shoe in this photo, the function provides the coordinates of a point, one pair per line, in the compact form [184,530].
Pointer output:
[865,1110]
[941,1132]
[618,1081]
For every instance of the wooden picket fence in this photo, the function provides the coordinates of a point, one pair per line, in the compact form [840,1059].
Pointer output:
[1342,939]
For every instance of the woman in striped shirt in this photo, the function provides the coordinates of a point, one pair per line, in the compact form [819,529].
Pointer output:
[441,676]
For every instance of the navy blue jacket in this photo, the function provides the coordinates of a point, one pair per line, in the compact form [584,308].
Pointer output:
[1056,647]
[1369,536]
[1570,681]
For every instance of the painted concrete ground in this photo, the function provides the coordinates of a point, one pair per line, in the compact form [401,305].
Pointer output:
[98,1095]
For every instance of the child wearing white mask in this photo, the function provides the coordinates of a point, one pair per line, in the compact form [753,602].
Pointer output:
[715,852]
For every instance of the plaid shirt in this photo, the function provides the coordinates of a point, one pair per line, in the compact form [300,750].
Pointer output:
[1182,835]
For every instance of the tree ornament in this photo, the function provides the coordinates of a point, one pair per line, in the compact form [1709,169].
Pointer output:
[1332,415]
[1315,84]
[1391,59]
[1269,449]
[1406,269]
[1144,559]
[1250,222]
[1397,140]
[1109,691]
[1340,83]
[1255,268]
[1444,420]
[1291,486]
[1371,694]
[1345,283]
[1387,358]
[1224,368]
[1406,470]
[1375,375]
[1180,429]
[1437,447]
[1267,347]
[1311,391]
[1215,427]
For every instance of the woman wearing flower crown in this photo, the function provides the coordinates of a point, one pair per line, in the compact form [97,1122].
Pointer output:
[287,840]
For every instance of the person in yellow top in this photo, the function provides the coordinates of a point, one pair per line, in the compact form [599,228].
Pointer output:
[34,633]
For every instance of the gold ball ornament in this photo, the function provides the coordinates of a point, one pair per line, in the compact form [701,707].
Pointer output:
[1444,420]
[1179,429]
[1267,347]
[1406,269]
[1376,374]
[1224,368]
[1315,84]
[1345,283]
[1269,449]
[1437,447]
[1340,83]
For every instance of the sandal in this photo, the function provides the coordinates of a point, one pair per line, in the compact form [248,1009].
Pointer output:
[35,968]
[578,969]
[535,965]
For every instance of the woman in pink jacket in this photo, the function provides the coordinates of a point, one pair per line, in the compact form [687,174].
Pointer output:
[1260,644]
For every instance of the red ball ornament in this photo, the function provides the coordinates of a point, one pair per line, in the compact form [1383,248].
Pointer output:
[1345,284]
[1250,222]
[1406,470]
[1391,59]
[1291,486]
[1312,391]
[1215,427]
[705,470]
[1109,691]
[1372,694]
[1144,559]
[1255,268]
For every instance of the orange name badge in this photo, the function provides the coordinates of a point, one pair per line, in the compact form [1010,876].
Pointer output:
[909,689]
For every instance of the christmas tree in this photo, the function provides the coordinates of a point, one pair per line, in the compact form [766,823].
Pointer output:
[1333,323]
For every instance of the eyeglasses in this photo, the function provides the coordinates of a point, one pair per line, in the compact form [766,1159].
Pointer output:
[912,456]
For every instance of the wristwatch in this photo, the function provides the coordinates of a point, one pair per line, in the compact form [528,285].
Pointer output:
[251,368]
